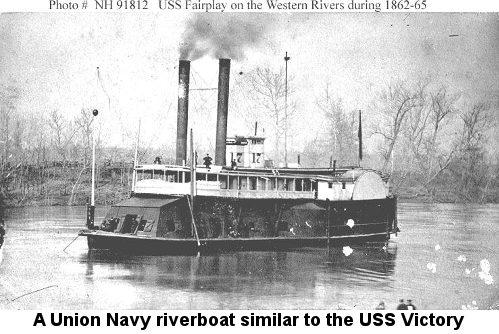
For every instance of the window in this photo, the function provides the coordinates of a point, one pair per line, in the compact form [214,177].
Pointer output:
[172,176]
[142,225]
[158,175]
[252,183]
[144,175]
[343,185]
[149,225]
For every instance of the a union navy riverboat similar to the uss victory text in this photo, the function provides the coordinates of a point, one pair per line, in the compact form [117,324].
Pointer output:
[239,203]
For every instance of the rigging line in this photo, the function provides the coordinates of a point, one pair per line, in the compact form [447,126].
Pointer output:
[163,116]
[241,91]
[173,92]
[118,118]
[71,243]
[160,120]
[194,72]
[29,293]
[104,89]
[193,102]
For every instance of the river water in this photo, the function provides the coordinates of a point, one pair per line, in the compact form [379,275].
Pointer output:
[446,256]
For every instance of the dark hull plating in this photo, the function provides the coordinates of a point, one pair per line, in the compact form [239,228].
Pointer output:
[237,225]
[134,244]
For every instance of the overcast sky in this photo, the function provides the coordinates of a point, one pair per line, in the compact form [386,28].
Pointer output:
[53,59]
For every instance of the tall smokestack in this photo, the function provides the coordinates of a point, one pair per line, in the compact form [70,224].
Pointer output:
[222,110]
[184,68]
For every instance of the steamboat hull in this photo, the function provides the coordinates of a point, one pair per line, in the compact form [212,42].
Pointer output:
[162,246]
[249,225]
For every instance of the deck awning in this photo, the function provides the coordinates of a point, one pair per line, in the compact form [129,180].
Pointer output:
[146,202]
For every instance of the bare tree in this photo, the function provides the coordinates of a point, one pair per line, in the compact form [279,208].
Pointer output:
[8,97]
[394,104]
[341,127]
[315,153]
[63,133]
[470,166]
[84,124]
[424,131]
[269,88]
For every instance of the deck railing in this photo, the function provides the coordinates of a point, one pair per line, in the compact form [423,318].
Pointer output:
[214,188]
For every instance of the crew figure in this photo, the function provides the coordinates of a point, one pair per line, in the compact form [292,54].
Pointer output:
[402,305]
[207,161]
[233,164]
[410,306]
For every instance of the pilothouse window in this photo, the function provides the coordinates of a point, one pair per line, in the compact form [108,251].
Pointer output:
[142,225]
[148,226]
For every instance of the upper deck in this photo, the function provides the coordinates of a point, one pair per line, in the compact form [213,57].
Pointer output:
[259,184]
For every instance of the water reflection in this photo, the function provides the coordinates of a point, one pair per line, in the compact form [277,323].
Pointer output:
[36,256]
[371,264]
[264,273]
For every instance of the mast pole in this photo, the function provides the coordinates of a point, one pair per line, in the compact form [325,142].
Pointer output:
[193,171]
[91,208]
[286,58]
[134,174]
[92,202]
[193,191]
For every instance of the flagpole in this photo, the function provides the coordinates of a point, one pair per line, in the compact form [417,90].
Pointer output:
[95,112]
[91,209]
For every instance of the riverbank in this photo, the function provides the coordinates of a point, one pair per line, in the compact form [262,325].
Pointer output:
[106,194]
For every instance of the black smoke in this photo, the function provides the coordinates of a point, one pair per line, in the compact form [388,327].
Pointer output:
[223,35]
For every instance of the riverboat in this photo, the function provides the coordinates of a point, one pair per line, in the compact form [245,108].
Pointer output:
[244,204]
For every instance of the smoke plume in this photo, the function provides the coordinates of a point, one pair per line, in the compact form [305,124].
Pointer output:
[222,35]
